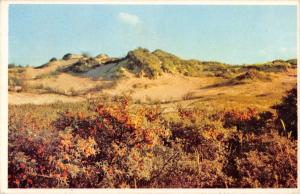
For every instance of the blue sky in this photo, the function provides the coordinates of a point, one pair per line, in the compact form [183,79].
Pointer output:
[234,34]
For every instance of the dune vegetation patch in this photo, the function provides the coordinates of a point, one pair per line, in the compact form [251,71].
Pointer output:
[252,75]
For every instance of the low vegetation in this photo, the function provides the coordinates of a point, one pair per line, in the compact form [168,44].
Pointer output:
[250,76]
[153,64]
[113,143]
[83,65]
[12,65]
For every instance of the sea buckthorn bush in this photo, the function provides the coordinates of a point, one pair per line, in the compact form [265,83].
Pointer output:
[113,143]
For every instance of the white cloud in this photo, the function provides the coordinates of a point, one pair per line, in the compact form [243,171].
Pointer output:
[129,18]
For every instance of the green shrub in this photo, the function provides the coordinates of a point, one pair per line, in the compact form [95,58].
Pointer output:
[287,114]
[143,61]
[53,59]
[83,65]
[12,65]
[67,56]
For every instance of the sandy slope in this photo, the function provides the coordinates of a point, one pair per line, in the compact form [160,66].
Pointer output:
[32,73]
[100,72]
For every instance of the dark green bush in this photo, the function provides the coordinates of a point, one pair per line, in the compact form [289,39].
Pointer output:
[53,59]
[287,114]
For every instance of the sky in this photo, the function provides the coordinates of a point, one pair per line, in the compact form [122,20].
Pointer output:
[235,34]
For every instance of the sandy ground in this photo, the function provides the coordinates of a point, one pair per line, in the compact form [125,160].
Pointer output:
[29,98]
[65,82]
[167,88]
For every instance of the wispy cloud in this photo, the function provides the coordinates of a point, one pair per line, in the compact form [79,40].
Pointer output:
[129,18]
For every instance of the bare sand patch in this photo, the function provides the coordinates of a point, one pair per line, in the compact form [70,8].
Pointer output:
[29,98]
